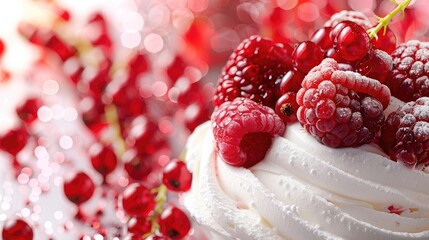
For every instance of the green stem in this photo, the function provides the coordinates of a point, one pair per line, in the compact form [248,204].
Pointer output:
[383,22]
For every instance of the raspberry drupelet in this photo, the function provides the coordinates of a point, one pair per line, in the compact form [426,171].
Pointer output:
[341,108]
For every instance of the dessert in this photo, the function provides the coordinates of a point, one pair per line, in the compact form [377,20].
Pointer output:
[326,176]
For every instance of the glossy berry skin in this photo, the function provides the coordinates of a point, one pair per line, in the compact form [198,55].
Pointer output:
[405,137]
[79,188]
[322,38]
[377,65]
[176,176]
[341,108]
[291,82]
[352,42]
[27,112]
[306,56]
[286,107]
[103,159]
[16,229]
[137,200]
[173,223]
[139,226]
[409,79]
[385,41]
[243,131]
[252,71]
[138,166]
[14,140]
[2,47]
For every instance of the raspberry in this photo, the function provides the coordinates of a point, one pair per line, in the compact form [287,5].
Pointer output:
[353,16]
[409,79]
[341,108]
[253,71]
[243,130]
[405,136]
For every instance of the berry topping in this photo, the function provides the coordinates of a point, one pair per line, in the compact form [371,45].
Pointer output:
[286,107]
[176,177]
[377,64]
[253,70]
[405,137]
[352,42]
[16,229]
[173,223]
[353,16]
[341,108]
[243,130]
[409,79]
[306,56]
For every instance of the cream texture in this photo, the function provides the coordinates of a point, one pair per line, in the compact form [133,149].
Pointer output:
[305,190]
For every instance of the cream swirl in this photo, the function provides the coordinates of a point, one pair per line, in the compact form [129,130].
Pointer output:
[305,190]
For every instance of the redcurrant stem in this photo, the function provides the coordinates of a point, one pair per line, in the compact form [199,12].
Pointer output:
[383,22]
[160,199]
[111,115]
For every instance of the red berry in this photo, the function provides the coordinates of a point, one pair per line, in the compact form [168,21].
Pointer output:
[79,188]
[60,47]
[306,56]
[385,41]
[103,159]
[195,114]
[137,200]
[14,140]
[322,38]
[286,107]
[405,136]
[27,112]
[16,229]
[291,82]
[137,65]
[2,47]
[176,176]
[409,79]
[352,42]
[341,108]
[243,130]
[139,226]
[377,65]
[173,223]
[144,135]
[252,71]
[137,166]
[353,16]
[176,69]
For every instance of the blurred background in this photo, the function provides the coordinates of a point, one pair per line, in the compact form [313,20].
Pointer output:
[133,77]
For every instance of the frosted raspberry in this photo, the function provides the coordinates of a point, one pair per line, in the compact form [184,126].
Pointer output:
[405,137]
[253,70]
[244,130]
[409,79]
[353,16]
[341,108]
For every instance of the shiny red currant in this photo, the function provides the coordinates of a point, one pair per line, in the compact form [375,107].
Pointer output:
[291,82]
[385,41]
[27,112]
[286,107]
[306,56]
[137,166]
[173,223]
[137,200]
[352,42]
[79,188]
[176,176]
[139,226]
[16,229]
[103,159]
[377,65]
[322,38]
[14,140]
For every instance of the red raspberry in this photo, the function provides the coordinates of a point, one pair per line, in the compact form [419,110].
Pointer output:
[244,130]
[253,70]
[341,108]
[353,16]
[409,79]
[405,136]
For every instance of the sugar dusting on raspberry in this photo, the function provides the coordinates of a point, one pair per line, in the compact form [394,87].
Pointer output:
[353,16]
[244,130]
[406,134]
[341,108]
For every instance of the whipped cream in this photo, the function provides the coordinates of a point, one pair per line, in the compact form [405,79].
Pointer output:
[305,190]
